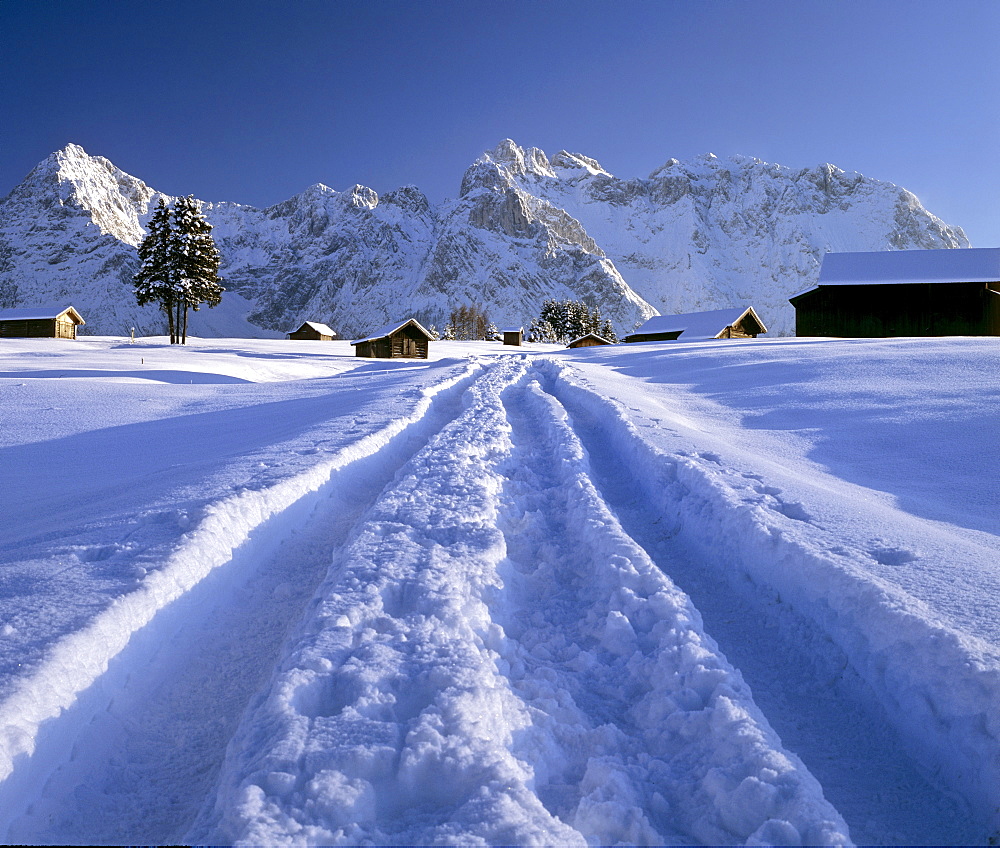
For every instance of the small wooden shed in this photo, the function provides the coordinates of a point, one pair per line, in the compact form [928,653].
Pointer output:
[313,331]
[40,322]
[738,323]
[589,340]
[407,339]
[513,336]
[903,293]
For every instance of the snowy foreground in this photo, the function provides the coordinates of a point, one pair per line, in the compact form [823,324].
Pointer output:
[263,592]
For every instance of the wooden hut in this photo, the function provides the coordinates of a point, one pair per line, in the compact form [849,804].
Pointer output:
[313,331]
[407,339]
[589,340]
[903,293]
[739,323]
[513,336]
[40,322]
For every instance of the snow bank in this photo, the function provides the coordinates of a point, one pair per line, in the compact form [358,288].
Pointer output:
[81,656]
[939,686]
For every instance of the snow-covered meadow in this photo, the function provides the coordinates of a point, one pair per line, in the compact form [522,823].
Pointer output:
[264,592]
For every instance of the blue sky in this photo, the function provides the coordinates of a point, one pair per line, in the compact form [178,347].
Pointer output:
[254,101]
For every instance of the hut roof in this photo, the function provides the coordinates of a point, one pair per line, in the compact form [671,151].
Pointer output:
[319,328]
[601,339]
[39,313]
[389,329]
[698,326]
[898,267]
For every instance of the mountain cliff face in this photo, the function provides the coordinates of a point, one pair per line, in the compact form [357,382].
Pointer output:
[699,235]
[710,234]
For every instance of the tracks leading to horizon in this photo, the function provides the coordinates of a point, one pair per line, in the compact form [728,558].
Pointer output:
[476,632]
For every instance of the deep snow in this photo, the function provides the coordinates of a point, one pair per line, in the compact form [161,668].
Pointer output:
[266,592]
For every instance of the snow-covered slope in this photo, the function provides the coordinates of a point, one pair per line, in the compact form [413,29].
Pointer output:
[287,596]
[706,234]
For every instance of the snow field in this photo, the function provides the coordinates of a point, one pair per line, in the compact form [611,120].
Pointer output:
[493,660]
[514,567]
[937,686]
[32,711]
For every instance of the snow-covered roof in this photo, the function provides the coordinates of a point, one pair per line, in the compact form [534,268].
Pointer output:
[512,330]
[389,329]
[697,326]
[601,339]
[319,328]
[886,267]
[38,313]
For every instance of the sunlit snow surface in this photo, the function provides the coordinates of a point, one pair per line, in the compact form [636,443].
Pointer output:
[265,592]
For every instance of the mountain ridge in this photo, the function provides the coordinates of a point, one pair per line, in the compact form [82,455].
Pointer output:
[703,234]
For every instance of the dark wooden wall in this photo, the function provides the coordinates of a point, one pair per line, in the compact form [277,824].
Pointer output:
[406,342]
[309,334]
[587,342]
[906,309]
[653,337]
[38,328]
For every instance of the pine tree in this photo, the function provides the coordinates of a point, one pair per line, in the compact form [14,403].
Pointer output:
[542,331]
[197,267]
[561,321]
[180,264]
[152,282]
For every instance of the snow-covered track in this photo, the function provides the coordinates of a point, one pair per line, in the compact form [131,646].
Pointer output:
[643,732]
[493,660]
[189,640]
[893,711]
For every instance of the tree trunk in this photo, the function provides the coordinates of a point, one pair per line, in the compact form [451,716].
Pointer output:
[169,309]
[185,336]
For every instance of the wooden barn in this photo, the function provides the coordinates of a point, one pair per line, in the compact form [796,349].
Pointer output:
[950,292]
[313,331]
[513,336]
[40,322]
[589,340]
[407,339]
[739,323]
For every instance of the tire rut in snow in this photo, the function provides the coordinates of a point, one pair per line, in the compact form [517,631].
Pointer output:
[641,732]
[801,680]
[137,754]
[403,712]
[388,722]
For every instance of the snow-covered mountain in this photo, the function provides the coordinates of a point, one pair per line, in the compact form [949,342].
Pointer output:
[705,234]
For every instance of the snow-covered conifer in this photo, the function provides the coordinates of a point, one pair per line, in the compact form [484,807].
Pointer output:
[566,320]
[542,331]
[180,264]
[152,283]
[197,259]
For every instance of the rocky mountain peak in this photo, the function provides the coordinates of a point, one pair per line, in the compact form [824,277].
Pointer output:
[408,198]
[362,197]
[565,161]
[701,234]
